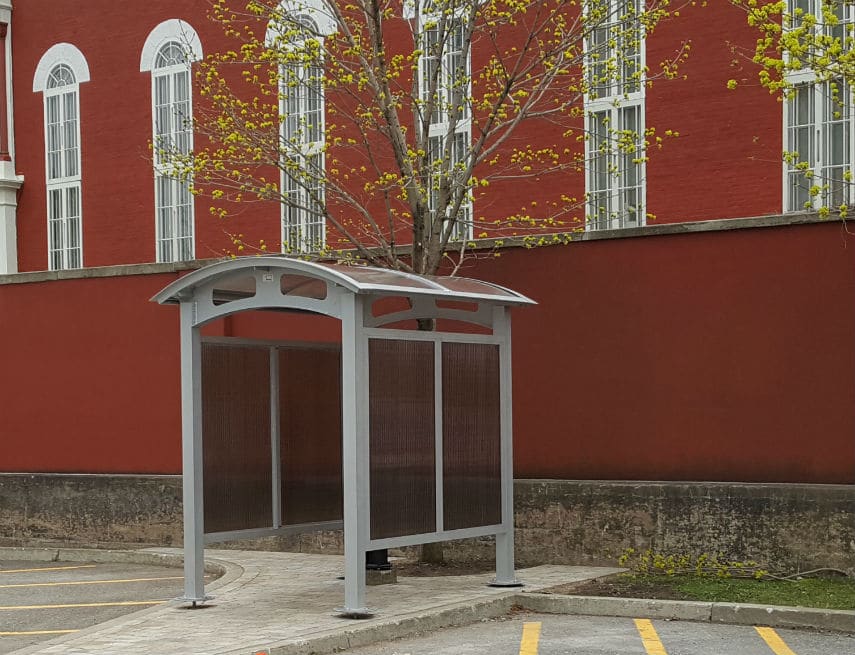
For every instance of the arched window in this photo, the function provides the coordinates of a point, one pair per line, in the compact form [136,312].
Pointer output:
[173,135]
[445,90]
[58,76]
[297,32]
[168,53]
[303,138]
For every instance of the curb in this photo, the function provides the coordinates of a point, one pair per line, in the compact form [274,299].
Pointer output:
[774,616]
[467,613]
[226,571]
[460,614]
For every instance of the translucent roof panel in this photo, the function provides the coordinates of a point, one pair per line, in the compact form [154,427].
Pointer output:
[231,275]
[368,275]
[460,285]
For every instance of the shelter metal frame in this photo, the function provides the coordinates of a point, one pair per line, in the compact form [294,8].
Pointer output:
[346,293]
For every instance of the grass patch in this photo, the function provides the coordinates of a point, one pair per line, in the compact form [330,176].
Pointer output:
[822,593]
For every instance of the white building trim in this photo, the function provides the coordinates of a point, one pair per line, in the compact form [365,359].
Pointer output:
[173,29]
[317,10]
[61,53]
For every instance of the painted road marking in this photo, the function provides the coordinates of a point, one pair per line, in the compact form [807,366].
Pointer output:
[79,582]
[37,632]
[649,637]
[67,605]
[774,642]
[49,568]
[530,637]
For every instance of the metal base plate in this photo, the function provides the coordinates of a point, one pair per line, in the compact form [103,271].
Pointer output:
[359,613]
[513,583]
[194,602]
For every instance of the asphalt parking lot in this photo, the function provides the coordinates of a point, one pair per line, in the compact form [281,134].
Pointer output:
[43,600]
[547,634]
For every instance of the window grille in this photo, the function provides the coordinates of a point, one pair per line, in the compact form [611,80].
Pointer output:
[819,149]
[62,164]
[303,142]
[614,114]
[173,137]
[445,71]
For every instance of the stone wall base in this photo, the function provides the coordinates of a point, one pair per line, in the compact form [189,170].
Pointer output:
[796,527]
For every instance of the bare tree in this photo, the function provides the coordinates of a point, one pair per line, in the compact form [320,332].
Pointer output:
[384,130]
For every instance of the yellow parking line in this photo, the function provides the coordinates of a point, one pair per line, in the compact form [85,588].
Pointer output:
[50,568]
[530,637]
[37,632]
[774,642]
[649,637]
[67,605]
[79,582]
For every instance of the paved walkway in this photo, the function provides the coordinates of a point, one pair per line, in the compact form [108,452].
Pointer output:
[283,604]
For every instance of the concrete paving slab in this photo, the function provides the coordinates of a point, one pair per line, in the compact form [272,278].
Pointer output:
[283,604]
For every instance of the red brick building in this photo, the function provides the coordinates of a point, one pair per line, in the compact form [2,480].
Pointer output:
[711,340]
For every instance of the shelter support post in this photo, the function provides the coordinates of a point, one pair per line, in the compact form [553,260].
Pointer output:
[505,540]
[191,453]
[354,385]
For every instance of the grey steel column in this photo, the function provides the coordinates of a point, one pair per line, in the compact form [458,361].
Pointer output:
[275,439]
[191,452]
[354,382]
[505,540]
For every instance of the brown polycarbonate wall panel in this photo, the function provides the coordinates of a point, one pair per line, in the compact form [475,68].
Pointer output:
[236,437]
[310,433]
[402,437]
[471,444]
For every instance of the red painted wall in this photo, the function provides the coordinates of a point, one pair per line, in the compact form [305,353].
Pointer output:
[717,356]
[90,377]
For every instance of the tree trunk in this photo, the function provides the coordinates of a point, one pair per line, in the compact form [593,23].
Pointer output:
[432,553]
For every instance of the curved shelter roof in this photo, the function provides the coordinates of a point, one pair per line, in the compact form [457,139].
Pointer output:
[226,278]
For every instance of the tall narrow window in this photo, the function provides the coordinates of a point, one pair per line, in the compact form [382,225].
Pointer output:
[173,135]
[819,119]
[167,54]
[62,162]
[303,140]
[614,114]
[445,71]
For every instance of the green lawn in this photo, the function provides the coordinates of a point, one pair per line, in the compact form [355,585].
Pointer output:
[825,593]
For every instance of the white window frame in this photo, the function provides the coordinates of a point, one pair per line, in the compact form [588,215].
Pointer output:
[63,161]
[175,233]
[613,175]
[303,223]
[303,134]
[818,132]
[439,123]
[173,202]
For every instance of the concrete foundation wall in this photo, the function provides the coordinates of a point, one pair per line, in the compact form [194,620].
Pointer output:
[791,526]
[90,510]
[794,527]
